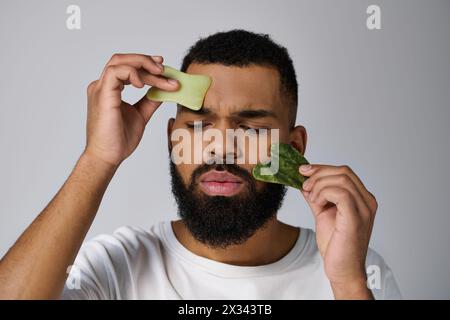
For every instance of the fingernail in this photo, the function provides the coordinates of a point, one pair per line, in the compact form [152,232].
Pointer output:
[160,66]
[173,81]
[305,167]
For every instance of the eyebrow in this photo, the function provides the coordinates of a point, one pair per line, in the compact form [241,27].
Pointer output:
[254,113]
[248,113]
[203,111]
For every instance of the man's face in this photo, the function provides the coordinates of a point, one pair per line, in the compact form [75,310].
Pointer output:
[223,204]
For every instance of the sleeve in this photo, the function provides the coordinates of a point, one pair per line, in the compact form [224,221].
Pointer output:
[380,278]
[91,275]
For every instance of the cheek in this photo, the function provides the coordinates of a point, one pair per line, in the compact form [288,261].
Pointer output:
[249,168]
[259,185]
[257,147]
[264,142]
[252,149]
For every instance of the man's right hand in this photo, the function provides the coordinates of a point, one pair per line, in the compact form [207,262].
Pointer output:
[114,127]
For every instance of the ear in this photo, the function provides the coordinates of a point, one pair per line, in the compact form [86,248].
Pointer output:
[297,138]
[169,133]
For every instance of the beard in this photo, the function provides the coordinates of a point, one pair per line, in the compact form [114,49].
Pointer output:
[221,221]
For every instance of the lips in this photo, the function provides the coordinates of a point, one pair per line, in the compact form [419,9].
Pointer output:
[220,183]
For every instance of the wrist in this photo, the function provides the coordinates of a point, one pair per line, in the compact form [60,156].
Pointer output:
[90,160]
[352,289]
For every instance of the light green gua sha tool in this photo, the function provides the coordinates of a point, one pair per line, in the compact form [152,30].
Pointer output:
[192,90]
[288,161]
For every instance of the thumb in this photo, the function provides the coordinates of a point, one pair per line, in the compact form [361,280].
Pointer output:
[147,107]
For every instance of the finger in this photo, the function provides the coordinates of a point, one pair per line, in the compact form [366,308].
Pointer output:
[158,59]
[342,181]
[308,170]
[147,63]
[116,77]
[346,214]
[317,171]
[137,61]
[342,198]
[159,81]
[315,208]
[146,108]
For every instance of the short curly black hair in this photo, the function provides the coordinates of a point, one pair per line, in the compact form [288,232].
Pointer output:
[241,48]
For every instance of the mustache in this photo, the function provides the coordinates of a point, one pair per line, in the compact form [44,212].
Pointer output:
[231,168]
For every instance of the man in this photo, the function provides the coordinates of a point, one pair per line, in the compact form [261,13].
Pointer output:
[228,243]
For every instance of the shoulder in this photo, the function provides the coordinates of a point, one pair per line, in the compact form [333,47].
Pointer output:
[126,241]
[128,236]
[380,278]
[109,263]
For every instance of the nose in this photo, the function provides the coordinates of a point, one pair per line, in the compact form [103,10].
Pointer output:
[222,148]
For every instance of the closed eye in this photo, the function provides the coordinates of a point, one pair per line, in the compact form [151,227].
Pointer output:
[204,124]
[196,124]
[256,129]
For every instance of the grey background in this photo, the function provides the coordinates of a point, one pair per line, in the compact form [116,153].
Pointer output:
[375,100]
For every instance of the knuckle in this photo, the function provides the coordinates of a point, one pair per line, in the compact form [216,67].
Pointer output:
[91,86]
[345,169]
[375,205]
[373,201]
[110,70]
[115,57]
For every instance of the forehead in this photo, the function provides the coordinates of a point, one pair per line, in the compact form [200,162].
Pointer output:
[233,88]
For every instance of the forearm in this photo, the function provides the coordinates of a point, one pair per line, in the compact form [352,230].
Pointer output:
[35,267]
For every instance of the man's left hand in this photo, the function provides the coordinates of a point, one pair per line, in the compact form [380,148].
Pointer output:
[344,212]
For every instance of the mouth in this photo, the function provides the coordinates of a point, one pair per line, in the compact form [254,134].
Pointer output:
[220,183]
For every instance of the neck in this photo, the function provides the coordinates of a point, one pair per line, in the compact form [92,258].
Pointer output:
[267,245]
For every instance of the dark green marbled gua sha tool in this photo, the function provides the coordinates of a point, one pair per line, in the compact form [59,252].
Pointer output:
[289,160]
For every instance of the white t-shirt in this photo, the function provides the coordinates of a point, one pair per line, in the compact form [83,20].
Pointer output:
[137,264]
